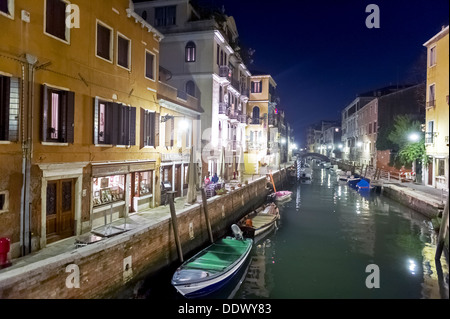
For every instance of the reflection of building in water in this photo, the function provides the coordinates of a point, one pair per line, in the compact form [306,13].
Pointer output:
[297,200]
[255,283]
[434,285]
[359,223]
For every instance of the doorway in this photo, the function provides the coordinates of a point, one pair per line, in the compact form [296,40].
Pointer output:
[60,212]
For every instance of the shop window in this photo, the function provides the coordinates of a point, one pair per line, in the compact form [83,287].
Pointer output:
[440,167]
[143,183]
[9,109]
[57,115]
[108,189]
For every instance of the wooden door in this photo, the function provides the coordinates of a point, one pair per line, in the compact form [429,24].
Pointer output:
[430,172]
[60,210]
[178,185]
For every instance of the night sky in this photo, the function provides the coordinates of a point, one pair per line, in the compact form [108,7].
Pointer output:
[321,54]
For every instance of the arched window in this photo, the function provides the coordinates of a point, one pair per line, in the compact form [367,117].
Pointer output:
[255,117]
[190,53]
[190,88]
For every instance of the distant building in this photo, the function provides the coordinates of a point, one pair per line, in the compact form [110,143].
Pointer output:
[437,114]
[371,113]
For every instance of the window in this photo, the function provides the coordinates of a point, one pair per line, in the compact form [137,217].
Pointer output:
[190,88]
[55,19]
[432,56]
[190,52]
[57,115]
[104,46]
[256,86]
[255,117]
[149,65]
[9,109]
[440,167]
[218,55]
[4,199]
[374,127]
[431,96]
[108,189]
[149,128]
[165,16]
[169,132]
[114,123]
[123,51]
[430,133]
[7,8]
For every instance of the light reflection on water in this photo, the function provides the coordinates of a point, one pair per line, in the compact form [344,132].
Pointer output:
[329,233]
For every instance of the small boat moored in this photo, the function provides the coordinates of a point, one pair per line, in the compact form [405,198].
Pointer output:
[260,221]
[281,195]
[213,267]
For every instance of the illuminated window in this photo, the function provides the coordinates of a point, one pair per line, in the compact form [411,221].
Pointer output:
[58,115]
[256,86]
[190,52]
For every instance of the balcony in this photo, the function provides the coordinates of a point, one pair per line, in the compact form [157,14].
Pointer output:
[225,72]
[169,93]
[431,104]
[235,115]
[224,108]
[429,137]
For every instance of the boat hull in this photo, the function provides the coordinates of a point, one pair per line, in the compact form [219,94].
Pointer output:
[205,287]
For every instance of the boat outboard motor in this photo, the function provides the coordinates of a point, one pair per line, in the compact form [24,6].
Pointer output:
[237,232]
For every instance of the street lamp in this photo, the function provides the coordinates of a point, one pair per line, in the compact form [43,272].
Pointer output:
[414,137]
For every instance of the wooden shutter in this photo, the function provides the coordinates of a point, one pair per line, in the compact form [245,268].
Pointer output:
[132,124]
[143,129]
[172,131]
[44,129]
[5,83]
[157,119]
[96,120]
[70,117]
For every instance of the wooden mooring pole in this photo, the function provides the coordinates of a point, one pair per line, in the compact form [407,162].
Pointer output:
[173,214]
[442,231]
[205,210]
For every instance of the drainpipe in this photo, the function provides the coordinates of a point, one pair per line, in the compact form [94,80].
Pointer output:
[27,145]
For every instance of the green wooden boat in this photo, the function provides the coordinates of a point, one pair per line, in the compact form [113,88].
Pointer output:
[212,268]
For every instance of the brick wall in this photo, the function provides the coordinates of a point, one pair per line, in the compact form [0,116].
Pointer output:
[103,266]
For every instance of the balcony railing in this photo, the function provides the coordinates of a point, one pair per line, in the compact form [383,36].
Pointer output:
[431,104]
[224,108]
[225,72]
[429,137]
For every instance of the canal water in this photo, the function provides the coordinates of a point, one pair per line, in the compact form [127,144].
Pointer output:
[333,243]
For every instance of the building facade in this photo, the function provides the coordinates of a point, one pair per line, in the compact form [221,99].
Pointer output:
[88,123]
[201,52]
[436,174]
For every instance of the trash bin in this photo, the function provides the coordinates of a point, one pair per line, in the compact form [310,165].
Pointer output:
[4,250]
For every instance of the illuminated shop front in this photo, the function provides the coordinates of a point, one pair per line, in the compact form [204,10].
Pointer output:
[120,189]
